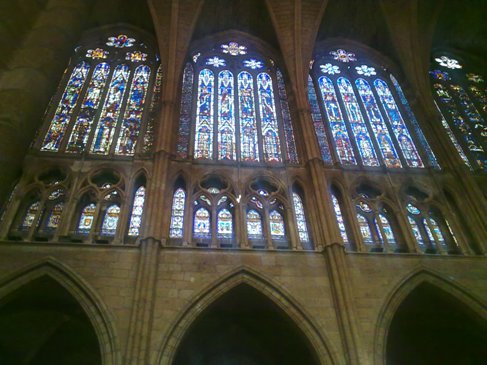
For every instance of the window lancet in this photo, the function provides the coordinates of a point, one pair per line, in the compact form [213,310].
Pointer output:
[226,118]
[277,225]
[339,218]
[137,211]
[110,221]
[30,216]
[268,117]
[54,216]
[86,218]
[224,224]
[300,218]
[177,216]
[201,225]
[185,114]
[203,142]
[254,225]
[248,126]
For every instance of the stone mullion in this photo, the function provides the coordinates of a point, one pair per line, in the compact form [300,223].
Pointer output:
[242,222]
[138,341]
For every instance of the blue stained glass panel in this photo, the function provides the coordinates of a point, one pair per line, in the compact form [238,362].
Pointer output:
[111,111]
[110,221]
[292,155]
[398,126]
[386,227]
[318,123]
[201,227]
[416,232]
[225,224]
[365,229]
[388,151]
[300,218]
[134,110]
[270,131]
[64,111]
[437,232]
[359,128]
[86,218]
[249,150]
[226,118]
[89,107]
[254,225]
[185,112]
[203,142]
[422,139]
[335,119]
[137,211]
[177,216]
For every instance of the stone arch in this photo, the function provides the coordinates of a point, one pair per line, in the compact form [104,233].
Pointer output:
[319,342]
[403,290]
[98,314]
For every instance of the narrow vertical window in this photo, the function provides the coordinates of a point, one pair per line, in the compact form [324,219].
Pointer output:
[111,111]
[54,216]
[365,229]
[437,232]
[416,232]
[203,142]
[225,224]
[65,108]
[254,225]
[286,119]
[110,221]
[137,211]
[379,127]
[201,225]
[300,218]
[89,108]
[30,215]
[226,118]
[359,128]
[185,113]
[387,229]
[86,218]
[134,110]
[337,125]
[270,131]
[249,149]
[277,225]
[318,123]
[398,126]
[177,216]
[339,217]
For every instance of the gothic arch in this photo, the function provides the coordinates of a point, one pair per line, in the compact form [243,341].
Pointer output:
[402,291]
[100,318]
[325,352]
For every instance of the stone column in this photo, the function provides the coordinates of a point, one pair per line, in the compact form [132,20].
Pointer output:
[30,77]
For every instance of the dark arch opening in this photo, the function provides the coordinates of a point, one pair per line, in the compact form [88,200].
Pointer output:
[431,327]
[244,327]
[41,323]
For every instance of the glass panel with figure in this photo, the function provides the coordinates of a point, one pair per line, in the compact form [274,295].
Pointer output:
[110,221]
[86,218]
[203,142]
[277,225]
[137,211]
[201,225]
[226,117]
[225,224]
[254,225]
[177,217]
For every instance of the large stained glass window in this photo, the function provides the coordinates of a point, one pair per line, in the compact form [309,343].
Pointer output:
[254,225]
[177,216]
[362,116]
[89,108]
[86,218]
[241,110]
[300,218]
[134,110]
[102,107]
[462,103]
[110,221]
[137,211]
[64,111]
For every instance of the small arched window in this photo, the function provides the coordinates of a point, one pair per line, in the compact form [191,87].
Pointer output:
[102,108]
[276,222]
[254,225]
[462,102]
[86,218]
[339,218]
[110,220]
[359,115]
[201,224]
[31,214]
[137,212]
[301,223]
[241,111]
[177,214]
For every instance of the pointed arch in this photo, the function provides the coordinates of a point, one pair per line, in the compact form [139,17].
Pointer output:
[243,275]
[403,289]
[100,317]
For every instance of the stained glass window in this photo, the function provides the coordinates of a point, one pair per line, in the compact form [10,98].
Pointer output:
[129,131]
[398,126]
[386,146]
[107,123]
[177,216]
[201,225]
[416,232]
[137,211]
[318,123]
[110,221]
[437,232]
[203,142]
[337,124]
[30,215]
[387,229]
[89,107]
[365,229]
[428,232]
[249,149]
[339,217]
[86,218]
[268,117]
[65,108]
[55,216]
[422,139]
[185,114]
[359,128]
[300,218]
[286,119]
[226,118]
[254,225]
[277,225]
[225,224]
